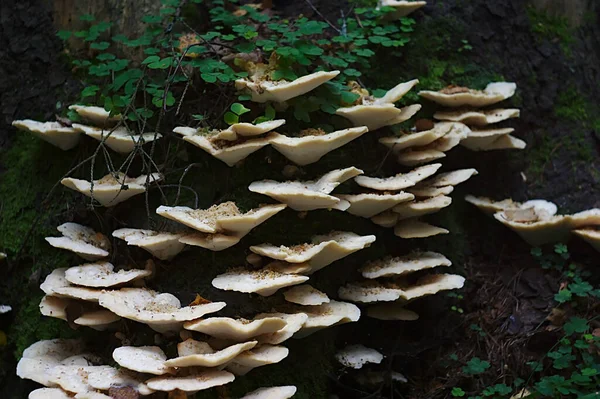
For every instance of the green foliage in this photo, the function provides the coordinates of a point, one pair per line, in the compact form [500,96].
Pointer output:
[551,27]
[476,366]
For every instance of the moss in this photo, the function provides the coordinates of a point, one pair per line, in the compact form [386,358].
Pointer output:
[551,28]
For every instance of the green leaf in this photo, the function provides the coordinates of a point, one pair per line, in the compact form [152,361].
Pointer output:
[563,296]
[580,288]
[230,118]
[151,59]
[100,46]
[198,117]
[312,28]
[64,34]
[87,18]
[244,97]
[270,112]
[349,97]
[576,325]
[476,366]
[162,64]
[352,72]
[239,109]
[89,91]
[152,19]
[536,252]
[105,57]
[458,392]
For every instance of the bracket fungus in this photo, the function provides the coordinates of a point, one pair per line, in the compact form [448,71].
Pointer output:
[194,353]
[259,356]
[263,90]
[95,115]
[90,316]
[414,228]
[237,131]
[264,282]
[420,208]
[5,309]
[326,315]
[112,188]
[308,195]
[478,117]
[402,8]
[590,235]
[391,311]
[492,139]
[283,392]
[237,330]
[163,245]
[455,96]
[162,312]
[370,204]
[375,113]
[356,356]
[107,378]
[320,252]
[57,285]
[489,206]
[63,137]
[81,240]
[102,275]
[408,140]
[313,144]
[191,383]
[143,359]
[294,323]
[305,295]
[38,359]
[400,265]
[48,393]
[399,181]
[118,139]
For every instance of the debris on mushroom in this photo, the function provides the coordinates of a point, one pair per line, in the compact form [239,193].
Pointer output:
[162,245]
[238,330]
[370,204]
[391,311]
[162,312]
[454,96]
[294,321]
[261,355]
[264,282]
[118,139]
[311,146]
[305,295]
[194,353]
[81,240]
[399,181]
[308,195]
[414,228]
[397,266]
[327,315]
[320,252]
[95,115]
[57,285]
[356,356]
[375,113]
[143,359]
[63,137]
[590,235]
[106,378]
[91,316]
[192,383]
[283,392]
[102,274]
[263,90]
[420,208]
[112,188]
[478,117]
[402,8]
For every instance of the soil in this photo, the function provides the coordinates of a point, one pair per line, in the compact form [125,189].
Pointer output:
[508,296]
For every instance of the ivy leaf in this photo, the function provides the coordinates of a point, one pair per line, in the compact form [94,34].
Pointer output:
[161,64]
[352,72]
[312,28]
[100,46]
[64,34]
[151,19]
[89,91]
[580,288]
[270,112]
[563,296]
[230,118]
[476,366]
[458,392]
[105,57]
[349,97]
[239,109]
[244,97]
[576,325]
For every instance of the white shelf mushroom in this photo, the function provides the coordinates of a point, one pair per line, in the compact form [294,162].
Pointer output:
[5,309]
[391,311]
[194,353]
[259,356]
[375,113]
[263,90]
[143,359]
[119,139]
[400,181]
[414,228]
[96,318]
[102,275]
[234,132]
[162,312]
[283,392]
[454,96]
[162,245]
[320,252]
[48,393]
[57,285]
[356,356]
[326,315]
[420,208]
[590,235]
[104,379]
[419,157]
[492,139]
[95,115]
[73,377]
[371,204]
[237,330]
[81,240]
[192,383]
[308,195]
[478,117]
[112,189]
[63,137]
[305,295]
[416,139]
[402,8]
[442,184]
[41,357]
[490,207]
[264,282]
[294,321]
[397,266]
[313,144]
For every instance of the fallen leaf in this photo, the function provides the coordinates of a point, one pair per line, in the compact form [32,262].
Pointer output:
[199,301]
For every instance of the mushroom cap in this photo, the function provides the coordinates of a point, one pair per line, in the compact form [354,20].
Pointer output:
[305,295]
[322,251]
[229,152]
[41,357]
[420,208]
[492,94]
[48,393]
[356,356]
[162,312]
[73,377]
[385,219]
[457,133]
[490,207]
[377,115]
[432,284]
[102,274]
[401,265]
[480,139]
[478,117]
[369,292]
[143,359]
[236,329]
[414,228]
[399,181]
[92,395]
[200,354]
[283,392]
[162,245]
[212,242]
[250,130]
[57,307]
[423,192]
[280,91]
[589,235]
[418,157]
[63,137]
[309,149]
[111,377]
[5,309]
[418,139]
[264,282]
[82,240]
[327,315]
[294,321]
[96,115]
[57,285]
[259,356]
[371,204]
[453,178]
[402,8]
[505,142]
[118,139]
[192,383]
[391,311]
[109,191]
[240,225]
[307,195]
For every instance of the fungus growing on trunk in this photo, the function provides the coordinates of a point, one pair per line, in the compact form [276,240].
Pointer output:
[371,204]
[400,265]
[106,378]
[305,295]
[591,235]
[192,383]
[81,240]
[283,392]
[478,117]
[63,137]
[259,356]
[356,356]
[162,245]
[91,316]
[294,321]
[194,353]
[402,8]
[454,96]
[96,115]
[143,359]
[264,282]
[103,275]
[237,330]
[118,139]
[326,315]
[57,285]
[399,181]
